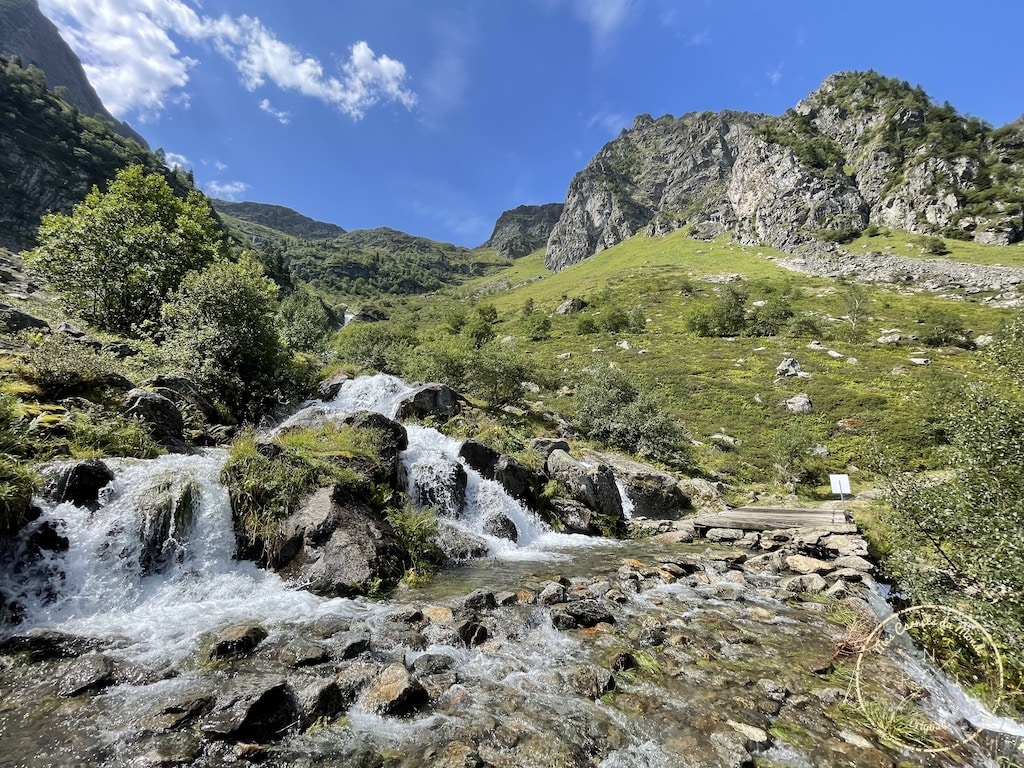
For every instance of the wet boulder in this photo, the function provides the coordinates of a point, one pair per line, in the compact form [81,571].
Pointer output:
[440,484]
[571,516]
[335,546]
[236,641]
[257,709]
[518,480]
[329,389]
[653,493]
[501,527]
[80,483]
[87,674]
[42,644]
[594,486]
[168,511]
[430,400]
[394,693]
[160,416]
[457,544]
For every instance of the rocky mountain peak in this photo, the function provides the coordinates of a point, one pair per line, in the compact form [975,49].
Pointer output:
[524,229]
[861,149]
[26,33]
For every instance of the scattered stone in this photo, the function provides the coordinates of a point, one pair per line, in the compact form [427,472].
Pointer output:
[571,306]
[800,403]
[890,338]
[471,633]
[591,681]
[478,600]
[804,564]
[809,583]
[856,562]
[237,641]
[394,693]
[724,535]
[551,593]
[788,367]
[86,674]
[921,360]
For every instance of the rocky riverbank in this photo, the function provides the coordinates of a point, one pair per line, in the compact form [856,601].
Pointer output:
[647,653]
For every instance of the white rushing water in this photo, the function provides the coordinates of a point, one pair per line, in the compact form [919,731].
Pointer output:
[429,453]
[105,586]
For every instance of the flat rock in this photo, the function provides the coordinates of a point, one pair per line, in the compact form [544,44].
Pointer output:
[805,564]
[394,692]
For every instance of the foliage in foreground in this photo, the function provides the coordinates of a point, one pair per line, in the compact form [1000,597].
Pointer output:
[118,255]
[959,540]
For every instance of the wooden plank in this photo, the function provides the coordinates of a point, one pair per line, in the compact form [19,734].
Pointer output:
[769,518]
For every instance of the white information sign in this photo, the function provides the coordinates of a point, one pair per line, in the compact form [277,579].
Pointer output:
[840,484]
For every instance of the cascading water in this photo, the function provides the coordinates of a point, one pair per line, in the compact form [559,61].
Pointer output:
[713,646]
[429,454]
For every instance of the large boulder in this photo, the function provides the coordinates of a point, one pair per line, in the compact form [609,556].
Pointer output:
[257,709]
[518,480]
[168,509]
[430,400]
[393,440]
[334,546]
[80,483]
[653,493]
[160,416]
[184,393]
[12,320]
[571,516]
[594,486]
[441,485]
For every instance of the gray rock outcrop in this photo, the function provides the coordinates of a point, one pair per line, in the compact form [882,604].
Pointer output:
[861,150]
[524,229]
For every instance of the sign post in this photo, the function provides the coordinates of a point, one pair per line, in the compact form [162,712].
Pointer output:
[841,486]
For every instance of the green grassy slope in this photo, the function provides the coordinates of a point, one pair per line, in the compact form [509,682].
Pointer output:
[872,395]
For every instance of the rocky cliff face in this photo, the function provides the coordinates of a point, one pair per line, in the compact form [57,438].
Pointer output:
[524,229]
[862,149]
[26,33]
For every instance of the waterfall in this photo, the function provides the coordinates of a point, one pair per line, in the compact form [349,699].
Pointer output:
[105,585]
[428,454]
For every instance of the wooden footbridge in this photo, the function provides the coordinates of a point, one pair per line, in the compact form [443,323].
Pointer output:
[772,518]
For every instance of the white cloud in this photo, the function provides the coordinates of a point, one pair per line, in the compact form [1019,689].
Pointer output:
[604,17]
[131,57]
[776,74]
[611,123]
[281,116]
[699,38]
[226,190]
[174,160]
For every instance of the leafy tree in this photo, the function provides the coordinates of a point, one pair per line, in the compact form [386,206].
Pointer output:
[220,327]
[725,316]
[771,317]
[118,255]
[378,346]
[497,373]
[537,326]
[612,409]
[959,540]
[306,321]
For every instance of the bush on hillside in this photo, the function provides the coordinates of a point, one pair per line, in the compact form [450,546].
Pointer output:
[612,409]
[119,254]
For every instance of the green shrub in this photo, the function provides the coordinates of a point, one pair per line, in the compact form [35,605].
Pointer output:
[611,408]
[586,326]
[417,531]
[61,367]
[723,316]
[376,346]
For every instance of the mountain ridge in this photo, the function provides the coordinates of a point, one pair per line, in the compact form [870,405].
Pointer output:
[860,150]
[26,33]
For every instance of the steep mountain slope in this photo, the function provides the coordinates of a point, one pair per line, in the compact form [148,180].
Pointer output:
[370,262]
[279,218]
[51,154]
[861,150]
[26,33]
[524,229]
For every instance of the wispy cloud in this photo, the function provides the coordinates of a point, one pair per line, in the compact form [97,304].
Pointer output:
[132,58]
[448,77]
[174,160]
[776,74]
[604,17]
[611,123]
[281,116]
[699,38]
[226,190]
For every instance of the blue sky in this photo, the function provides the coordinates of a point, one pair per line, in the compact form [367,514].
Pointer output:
[434,116]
